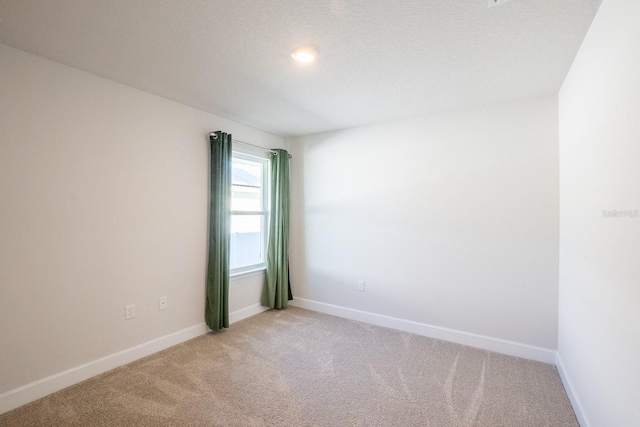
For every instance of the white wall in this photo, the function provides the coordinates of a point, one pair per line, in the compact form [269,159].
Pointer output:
[599,317]
[103,203]
[451,220]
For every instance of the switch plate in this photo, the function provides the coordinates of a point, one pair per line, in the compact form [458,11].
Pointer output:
[361,285]
[129,311]
[163,303]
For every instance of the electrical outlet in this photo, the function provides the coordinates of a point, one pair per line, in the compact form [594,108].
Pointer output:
[361,285]
[163,303]
[129,311]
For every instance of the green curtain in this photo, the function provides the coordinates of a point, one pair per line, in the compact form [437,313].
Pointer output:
[217,309]
[277,291]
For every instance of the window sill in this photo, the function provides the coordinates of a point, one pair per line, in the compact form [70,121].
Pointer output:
[244,274]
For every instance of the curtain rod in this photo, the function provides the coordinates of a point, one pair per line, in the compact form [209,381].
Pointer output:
[251,145]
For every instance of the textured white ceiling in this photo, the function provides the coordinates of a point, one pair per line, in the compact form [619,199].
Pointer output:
[379,59]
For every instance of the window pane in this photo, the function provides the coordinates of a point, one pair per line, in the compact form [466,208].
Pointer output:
[247,244]
[247,182]
[248,216]
[246,198]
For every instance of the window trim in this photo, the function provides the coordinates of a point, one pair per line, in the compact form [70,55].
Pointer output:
[266,192]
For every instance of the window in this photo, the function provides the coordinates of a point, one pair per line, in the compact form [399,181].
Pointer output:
[249,213]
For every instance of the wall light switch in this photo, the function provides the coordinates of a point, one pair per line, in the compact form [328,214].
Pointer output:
[163,303]
[361,285]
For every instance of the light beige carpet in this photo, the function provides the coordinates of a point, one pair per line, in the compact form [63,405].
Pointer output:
[300,368]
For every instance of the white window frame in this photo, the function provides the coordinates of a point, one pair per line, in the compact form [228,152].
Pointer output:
[266,187]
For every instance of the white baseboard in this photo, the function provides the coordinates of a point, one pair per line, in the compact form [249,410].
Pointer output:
[573,397]
[37,389]
[28,393]
[510,348]
[246,312]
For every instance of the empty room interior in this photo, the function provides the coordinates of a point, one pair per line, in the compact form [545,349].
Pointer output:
[464,183]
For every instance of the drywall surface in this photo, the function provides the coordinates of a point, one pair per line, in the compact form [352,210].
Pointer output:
[599,315]
[103,203]
[450,220]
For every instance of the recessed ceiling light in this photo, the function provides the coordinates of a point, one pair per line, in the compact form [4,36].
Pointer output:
[305,54]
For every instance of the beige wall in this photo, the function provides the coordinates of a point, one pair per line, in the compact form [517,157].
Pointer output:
[103,203]
[451,221]
[599,321]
